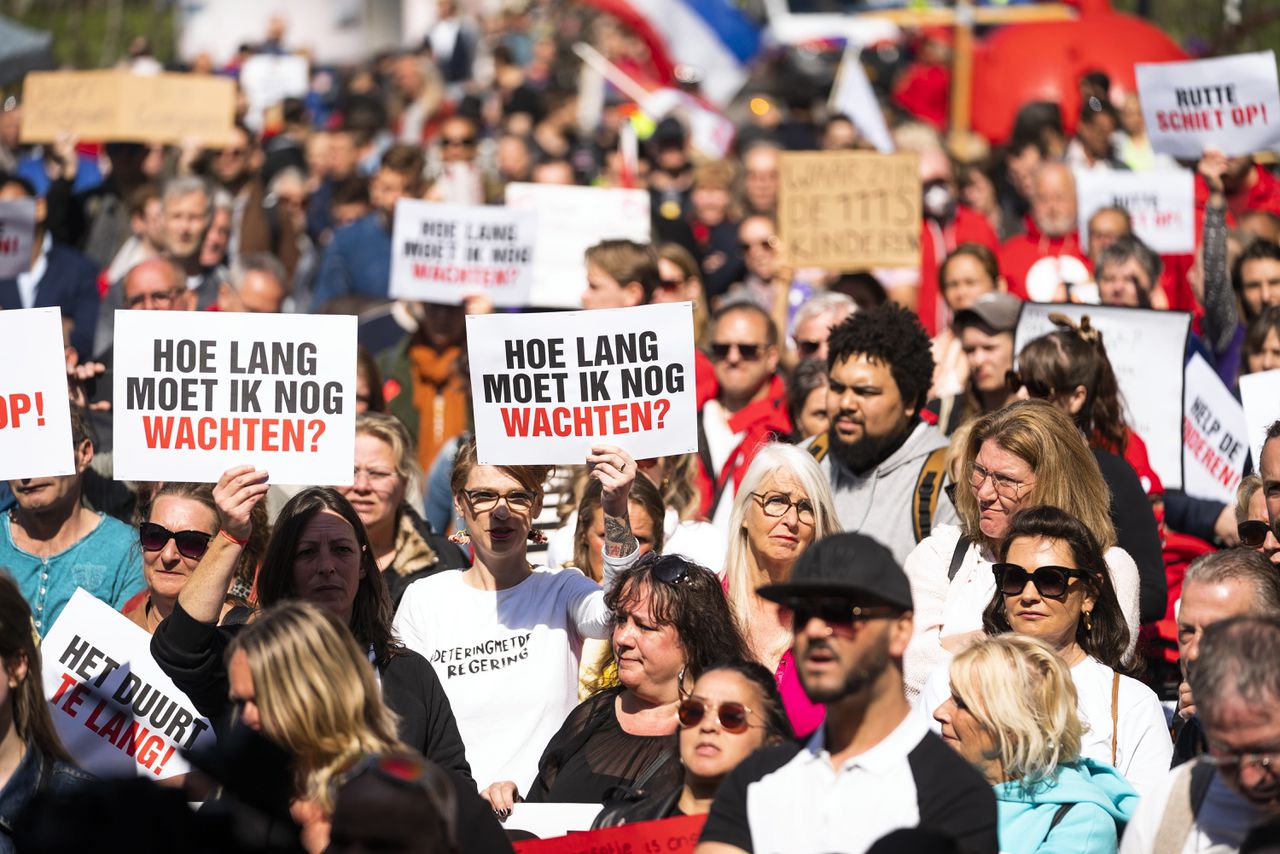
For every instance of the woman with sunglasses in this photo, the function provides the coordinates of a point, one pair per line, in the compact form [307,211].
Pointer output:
[732,709]
[1252,521]
[1027,454]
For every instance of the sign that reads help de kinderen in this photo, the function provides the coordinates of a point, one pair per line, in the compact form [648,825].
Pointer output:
[196,393]
[443,253]
[35,420]
[546,387]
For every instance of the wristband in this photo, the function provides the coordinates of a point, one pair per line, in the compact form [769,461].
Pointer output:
[223,532]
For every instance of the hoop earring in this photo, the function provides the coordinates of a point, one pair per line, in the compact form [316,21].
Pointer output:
[460,537]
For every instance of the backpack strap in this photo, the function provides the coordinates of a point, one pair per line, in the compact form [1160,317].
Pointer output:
[928,486]
[1115,714]
[957,557]
[1190,787]
[819,446]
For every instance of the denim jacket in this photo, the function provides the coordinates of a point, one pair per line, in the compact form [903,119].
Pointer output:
[36,773]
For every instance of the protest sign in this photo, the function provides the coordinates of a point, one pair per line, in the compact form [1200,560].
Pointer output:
[196,393]
[116,106]
[1228,102]
[570,221]
[666,836]
[548,821]
[1261,396]
[546,387]
[852,95]
[116,711]
[1214,435]
[1142,345]
[850,210]
[442,253]
[35,418]
[1161,204]
[17,234]
[266,80]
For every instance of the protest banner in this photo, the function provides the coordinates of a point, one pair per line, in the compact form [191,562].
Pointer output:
[116,106]
[667,836]
[1161,204]
[1260,394]
[1214,435]
[196,393]
[850,210]
[546,387]
[115,710]
[1142,344]
[266,80]
[549,821]
[570,221]
[443,253]
[17,235]
[1231,103]
[35,417]
[852,96]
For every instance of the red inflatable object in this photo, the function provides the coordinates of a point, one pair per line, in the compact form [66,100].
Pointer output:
[1021,63]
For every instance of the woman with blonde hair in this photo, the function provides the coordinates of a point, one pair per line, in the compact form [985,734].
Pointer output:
[1027,454]
[1012,714]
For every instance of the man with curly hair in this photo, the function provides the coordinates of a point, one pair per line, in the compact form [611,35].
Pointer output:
[885,463]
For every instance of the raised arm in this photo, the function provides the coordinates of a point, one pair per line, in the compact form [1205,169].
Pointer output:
[1220,317]
[238,491]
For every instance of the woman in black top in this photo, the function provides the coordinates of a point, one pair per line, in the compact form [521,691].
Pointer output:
[319,552]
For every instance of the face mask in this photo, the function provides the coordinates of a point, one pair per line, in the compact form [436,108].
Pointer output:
[938,203]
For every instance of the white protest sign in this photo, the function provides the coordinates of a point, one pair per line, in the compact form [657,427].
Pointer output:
[546,387]
[1146,351]
[199,392]
[17,236]
[570,221]
[116,711]
[1261,396]
[1214,435]
[267,80]
[1229,102]
[852,95]
[35,418]
[442,253]
[548,821]
[1161,204]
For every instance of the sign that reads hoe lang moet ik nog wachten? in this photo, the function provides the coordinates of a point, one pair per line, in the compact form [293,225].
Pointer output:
[35,421]
[196,393]
[546,387]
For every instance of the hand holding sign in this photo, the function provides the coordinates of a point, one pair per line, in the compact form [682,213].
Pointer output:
[238,491]
[616,471]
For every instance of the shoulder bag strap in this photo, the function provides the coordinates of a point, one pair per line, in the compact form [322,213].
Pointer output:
[1179,812]
[654,766]
[957,557]
[928,485]
[1059,815]
[1115,714]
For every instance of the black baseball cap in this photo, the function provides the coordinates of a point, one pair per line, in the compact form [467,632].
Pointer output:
[848,564]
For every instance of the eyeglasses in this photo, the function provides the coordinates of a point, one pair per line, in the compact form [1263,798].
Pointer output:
[671,284]
[808,349]
[669,569]
[1005,486]
[747,352]
[461,141]
[733,716]
[1051,581]
[191,544]
[768,243]
[376,477]
[1231,764]
[159,298]
[1253,533]
[833,611]
[777,505]
[483,500]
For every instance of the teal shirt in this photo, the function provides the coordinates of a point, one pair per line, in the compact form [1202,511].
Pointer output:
[106,563]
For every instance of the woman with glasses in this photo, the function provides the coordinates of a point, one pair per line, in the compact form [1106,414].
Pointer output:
[1052,584]
[733,709]
[1024,455]
[680,280]
[403,544]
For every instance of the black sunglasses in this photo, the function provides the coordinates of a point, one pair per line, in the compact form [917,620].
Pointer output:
[1253,533]
[833,611]
[1013,381]
[748,352]
[191,544]
[733,716]
[808,348]
[1051,581]
[459,141]
[669,569]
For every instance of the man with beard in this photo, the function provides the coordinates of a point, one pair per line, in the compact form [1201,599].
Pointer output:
[885,464]
[873,767]
[1046,262]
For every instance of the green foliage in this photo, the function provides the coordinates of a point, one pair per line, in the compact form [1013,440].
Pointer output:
[97,33]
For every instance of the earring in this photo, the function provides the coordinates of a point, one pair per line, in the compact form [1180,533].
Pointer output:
[537,537]
[1088,624]
[460,537]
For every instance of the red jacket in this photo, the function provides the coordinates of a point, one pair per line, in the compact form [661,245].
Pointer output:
[936,243]
[1019,252]
[762,421]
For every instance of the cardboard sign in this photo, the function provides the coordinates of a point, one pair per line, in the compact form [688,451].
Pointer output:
[570,221]
[1229,102]
[443,253]
[546,387]
[35,417]
[850,210]
[1214,435]
[17,236]
[660,837]
[1161,204]
[198,392]
[1146,351]
[116,106]
[1261,396]
[266,80]
[116,711]
[852,95]
[550,821]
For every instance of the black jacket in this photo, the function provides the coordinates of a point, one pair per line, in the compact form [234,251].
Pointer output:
[1136,533]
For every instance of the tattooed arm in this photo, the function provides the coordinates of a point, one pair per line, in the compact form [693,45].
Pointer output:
[616,471]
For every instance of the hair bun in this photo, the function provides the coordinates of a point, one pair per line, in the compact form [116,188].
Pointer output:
[1088,333]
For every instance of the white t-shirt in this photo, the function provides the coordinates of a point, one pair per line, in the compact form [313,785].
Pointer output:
[1220,825]
[508,660]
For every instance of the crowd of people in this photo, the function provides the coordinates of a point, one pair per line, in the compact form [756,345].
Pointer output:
[914,591]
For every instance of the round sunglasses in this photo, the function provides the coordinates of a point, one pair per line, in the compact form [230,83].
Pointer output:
[191,544]
[1253,533]
[1051,581]
[733,716]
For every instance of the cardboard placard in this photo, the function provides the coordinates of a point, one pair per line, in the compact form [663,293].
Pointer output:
[35,417]
[199,392]
[664,836]
[1146,351]
[266,80]
[1261,396]
[17,235]
[570,221]
[443,253]
[850,210]
[116,106]
[1214,435]
[116,711]
[1228,102]
[1161,204]
[546,387]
